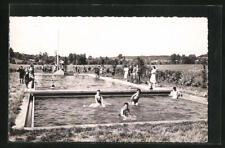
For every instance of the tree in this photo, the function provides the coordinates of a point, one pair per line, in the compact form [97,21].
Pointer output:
[11,53]
[101,61]
[141,64]
[120,56]
[70,58]
[192,58]
[175,58]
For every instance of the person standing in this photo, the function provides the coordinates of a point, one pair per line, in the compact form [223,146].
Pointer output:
[113,71]
[138,71]
[131,72]
[31,77]
[134,74]
[27,77]
[153,78]
[21,74]
[126,70]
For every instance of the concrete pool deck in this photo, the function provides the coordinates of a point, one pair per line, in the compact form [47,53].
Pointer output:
[144,87]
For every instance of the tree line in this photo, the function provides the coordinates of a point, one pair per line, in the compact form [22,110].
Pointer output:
[190,59]
[82,59]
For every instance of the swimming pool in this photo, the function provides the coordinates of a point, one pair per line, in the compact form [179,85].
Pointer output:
[79,82]
[67,111]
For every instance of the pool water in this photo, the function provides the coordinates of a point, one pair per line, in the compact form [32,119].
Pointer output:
[67,111]
[77,83]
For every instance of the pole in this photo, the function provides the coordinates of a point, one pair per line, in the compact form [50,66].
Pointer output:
[57,50]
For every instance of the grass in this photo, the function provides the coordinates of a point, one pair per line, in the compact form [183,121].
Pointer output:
[16,95]
[172,132]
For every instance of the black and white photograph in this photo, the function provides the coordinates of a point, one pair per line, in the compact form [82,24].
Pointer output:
[108,79]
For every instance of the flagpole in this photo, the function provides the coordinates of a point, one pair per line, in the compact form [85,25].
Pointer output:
[57,50]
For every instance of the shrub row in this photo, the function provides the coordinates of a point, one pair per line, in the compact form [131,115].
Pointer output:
[182,78]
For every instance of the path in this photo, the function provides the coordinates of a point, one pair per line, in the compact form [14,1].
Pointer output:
[189,97]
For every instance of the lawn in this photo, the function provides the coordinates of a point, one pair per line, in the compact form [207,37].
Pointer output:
[169,132]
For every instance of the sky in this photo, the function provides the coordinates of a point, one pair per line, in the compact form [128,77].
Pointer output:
[109,36]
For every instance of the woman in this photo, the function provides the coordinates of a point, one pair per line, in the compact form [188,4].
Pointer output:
[31,78]
[126,70]
[135,97]
[98,100]
[134,74]
[153,78]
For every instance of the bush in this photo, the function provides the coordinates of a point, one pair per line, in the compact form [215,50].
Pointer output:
[181,78]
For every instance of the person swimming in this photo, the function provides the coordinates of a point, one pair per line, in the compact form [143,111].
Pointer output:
[99,100]
[125,111]
[135,97]
[175,94]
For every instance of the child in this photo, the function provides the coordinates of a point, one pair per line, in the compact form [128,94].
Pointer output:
[21,74]
[125,111]
[135,97]
[175,94]
[97,72]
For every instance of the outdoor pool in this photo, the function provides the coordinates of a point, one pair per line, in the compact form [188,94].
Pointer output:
[67,111]
[79,82]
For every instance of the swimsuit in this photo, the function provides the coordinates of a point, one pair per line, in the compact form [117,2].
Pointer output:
[99,100]
[135,99]
[126,112]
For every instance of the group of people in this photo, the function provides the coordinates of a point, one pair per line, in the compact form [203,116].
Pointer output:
[134,99]
[125,111]
[134,72]
[83,69]
[27,76]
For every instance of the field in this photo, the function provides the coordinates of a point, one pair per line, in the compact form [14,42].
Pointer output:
[170,132]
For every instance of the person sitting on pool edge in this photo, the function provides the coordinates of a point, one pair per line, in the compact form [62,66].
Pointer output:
[175,94]
[135,97]
[125,111]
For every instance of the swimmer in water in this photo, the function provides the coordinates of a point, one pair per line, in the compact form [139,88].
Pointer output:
[175,94]
[135,97]
[98,100]
[125,111]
